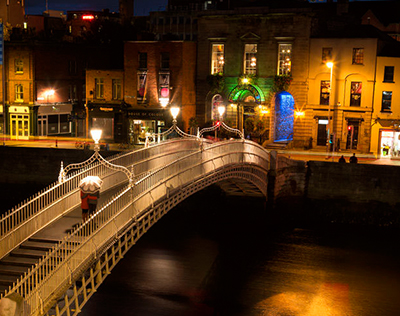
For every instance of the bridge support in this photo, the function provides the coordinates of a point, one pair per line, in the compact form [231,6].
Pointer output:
[11,305]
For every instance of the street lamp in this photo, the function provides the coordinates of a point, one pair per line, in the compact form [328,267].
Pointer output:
[330,124]
[49,93]
[221,111]
[96,135]
[174,112]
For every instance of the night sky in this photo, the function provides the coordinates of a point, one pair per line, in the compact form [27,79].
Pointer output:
[142,7]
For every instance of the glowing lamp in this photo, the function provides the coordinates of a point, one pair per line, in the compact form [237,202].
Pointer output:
[164,92]
[245,80]
[299,114]
[329,64]
[96,135]
[174,112]
[221,110]
[49,92]
[164,102]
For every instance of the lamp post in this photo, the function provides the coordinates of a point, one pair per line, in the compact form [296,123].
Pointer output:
[174,112]
[96,135]
[221,111]
[330,124]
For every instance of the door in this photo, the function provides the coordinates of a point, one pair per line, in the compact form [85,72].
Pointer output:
[42,125]
[19,126]
[353,127]
[322,134]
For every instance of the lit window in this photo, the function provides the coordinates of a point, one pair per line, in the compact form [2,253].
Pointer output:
[19,93]
[116,89]
[285,59]
[19,66]
[389,74]
[386,101]
[358,56]
[326,54]
[99,87]
[250,58]
[355,93]
[325,92]
[217,59]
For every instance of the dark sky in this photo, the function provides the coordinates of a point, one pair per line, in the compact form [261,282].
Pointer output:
[142,7]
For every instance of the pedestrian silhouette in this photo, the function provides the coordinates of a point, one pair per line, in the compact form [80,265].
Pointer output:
[342,159]
[353,159]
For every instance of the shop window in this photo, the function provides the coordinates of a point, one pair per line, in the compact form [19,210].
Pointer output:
[165,60]
[358,56]
[19,93]
[106,125]
[19,66]
[325,92]
[64,124]
[389,74]
[217,59]
[386,101]
[355,94]
[250,58]
[99,87]
[326,54]
[142,60]
[116,89]
[285,59]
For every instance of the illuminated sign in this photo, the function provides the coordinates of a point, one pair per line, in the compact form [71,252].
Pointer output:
[87,17]
[387,134]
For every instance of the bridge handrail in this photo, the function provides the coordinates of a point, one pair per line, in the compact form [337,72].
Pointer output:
[50,196]
[57,255]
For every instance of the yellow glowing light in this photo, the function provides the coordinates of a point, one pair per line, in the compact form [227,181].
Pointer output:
[174,112]
[299,114]
[329,64]
[245,80]
[96,135]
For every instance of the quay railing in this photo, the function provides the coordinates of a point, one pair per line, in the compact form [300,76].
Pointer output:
[41,286]
[35,213]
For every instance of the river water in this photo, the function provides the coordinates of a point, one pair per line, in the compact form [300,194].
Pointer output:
[219,255]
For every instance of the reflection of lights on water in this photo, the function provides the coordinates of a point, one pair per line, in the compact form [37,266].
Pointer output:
[330,299]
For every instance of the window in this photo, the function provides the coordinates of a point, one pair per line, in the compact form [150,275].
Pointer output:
[326,54]
[217,59]
[285,59]
[116,89]
[358,56]
[99,88]
[250,58]
[19,93]
[72,69]
[389,74]
[325,92]
[19,66]
[165,60]
[72,93]
[386,101]
[142,60]
[355,93]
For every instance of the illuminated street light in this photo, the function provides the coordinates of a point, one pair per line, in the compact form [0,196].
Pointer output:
[174,112]
[96,135]
[221,111]
[49,93]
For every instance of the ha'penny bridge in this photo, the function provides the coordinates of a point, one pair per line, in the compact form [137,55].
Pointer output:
[57,276]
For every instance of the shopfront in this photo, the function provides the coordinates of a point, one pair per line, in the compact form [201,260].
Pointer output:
[389,144]
[144,123]
[19,122]
[53,119]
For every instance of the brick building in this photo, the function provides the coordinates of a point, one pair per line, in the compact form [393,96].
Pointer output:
[158,74]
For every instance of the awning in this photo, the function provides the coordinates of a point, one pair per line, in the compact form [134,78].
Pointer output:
[55,109]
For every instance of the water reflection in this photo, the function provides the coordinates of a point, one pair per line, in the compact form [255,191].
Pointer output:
[205,259]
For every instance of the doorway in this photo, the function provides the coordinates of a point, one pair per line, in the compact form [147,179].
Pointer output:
[19,126]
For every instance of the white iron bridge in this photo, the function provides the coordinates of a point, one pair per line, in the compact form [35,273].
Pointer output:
[62,280]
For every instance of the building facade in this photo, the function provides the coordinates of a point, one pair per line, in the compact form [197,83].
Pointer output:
[158,75]
[255,64]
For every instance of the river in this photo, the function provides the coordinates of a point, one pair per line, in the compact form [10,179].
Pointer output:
[220,255]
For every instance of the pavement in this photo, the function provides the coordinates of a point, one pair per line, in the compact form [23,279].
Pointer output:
[305,155]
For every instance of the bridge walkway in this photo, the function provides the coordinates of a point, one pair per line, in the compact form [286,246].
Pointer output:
[20,260]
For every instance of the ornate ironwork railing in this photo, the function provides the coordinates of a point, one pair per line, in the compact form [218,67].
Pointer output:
[35,213]
[173,182]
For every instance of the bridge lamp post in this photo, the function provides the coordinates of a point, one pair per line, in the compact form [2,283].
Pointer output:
[96,135]
[330,123]
[221,111]
[174,112]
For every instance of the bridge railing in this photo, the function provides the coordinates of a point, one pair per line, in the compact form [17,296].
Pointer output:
[62,264]
[60,198]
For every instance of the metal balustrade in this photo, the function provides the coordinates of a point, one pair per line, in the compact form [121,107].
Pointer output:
[58,199]
[177,179]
